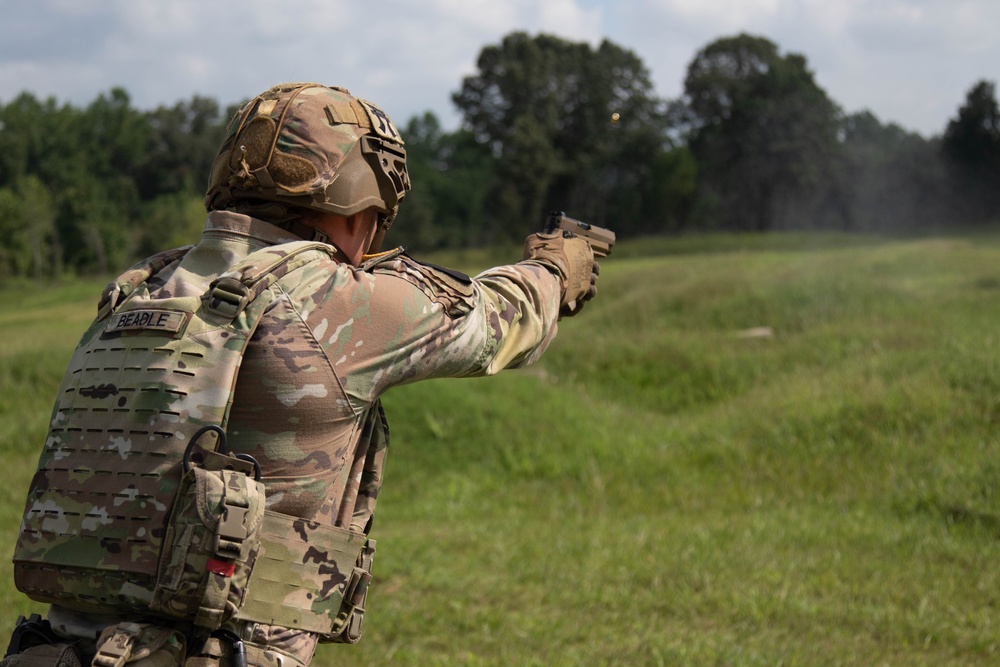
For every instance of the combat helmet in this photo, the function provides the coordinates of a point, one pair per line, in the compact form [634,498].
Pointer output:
[312,146]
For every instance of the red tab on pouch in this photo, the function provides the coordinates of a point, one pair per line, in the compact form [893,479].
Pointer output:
[221,567]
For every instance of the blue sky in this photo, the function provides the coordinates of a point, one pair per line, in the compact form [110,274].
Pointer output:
[908,61]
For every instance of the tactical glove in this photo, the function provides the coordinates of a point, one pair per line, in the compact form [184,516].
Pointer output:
[574,262]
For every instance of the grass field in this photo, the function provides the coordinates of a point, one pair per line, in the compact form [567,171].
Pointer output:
[671,486]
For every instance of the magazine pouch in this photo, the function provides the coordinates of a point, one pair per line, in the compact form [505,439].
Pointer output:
[214,536]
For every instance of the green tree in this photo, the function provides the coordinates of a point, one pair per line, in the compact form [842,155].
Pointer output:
[888,179]
[170,221]
[974,136]
[451,175]
[86,160]
[669,193]
[183,141]
[763,132]
[27,230]
[972,146]
[98,183]
[544,106]
[41,139]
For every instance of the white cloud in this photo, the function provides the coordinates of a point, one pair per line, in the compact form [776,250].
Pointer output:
[910,61]
[725,14]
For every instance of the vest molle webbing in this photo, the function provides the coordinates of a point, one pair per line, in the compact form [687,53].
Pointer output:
[104,527]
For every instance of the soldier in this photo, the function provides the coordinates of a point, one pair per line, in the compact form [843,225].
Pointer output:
[216,449]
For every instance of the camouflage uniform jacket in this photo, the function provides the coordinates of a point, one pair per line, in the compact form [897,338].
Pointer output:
[335,340]
[339,337]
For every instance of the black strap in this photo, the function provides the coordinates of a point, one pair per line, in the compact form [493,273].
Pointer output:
[31,631]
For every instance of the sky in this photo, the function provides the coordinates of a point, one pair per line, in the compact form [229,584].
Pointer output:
[910,62]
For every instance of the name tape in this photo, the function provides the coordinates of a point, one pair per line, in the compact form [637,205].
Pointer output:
[157,320]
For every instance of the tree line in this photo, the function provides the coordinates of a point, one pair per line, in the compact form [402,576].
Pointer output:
[752,144]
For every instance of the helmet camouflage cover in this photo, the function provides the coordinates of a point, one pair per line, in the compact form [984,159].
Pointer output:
[313,146]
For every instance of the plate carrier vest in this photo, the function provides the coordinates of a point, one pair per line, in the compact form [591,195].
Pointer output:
[131,513]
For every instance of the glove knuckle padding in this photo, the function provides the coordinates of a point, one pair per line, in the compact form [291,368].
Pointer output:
[573,258]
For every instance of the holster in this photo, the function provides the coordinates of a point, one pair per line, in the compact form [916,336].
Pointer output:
[34,644]
[44,655]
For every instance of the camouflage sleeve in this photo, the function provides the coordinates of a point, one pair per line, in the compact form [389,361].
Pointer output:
[521,306]
[405,321]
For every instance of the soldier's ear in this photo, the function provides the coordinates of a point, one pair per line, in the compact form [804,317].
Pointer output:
[362,222]
[366,225]
[376,243]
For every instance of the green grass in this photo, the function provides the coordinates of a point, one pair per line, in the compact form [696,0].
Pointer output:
[663,489]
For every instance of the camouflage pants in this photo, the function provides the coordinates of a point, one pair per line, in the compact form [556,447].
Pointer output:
[82,639]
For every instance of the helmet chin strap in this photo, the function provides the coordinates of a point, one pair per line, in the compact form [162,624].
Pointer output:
[310,233]
[353,236]
[307,232]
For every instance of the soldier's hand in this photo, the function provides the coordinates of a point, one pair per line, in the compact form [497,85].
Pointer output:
[573,258]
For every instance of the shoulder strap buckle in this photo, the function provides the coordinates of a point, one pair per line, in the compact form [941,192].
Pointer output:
[227,297]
